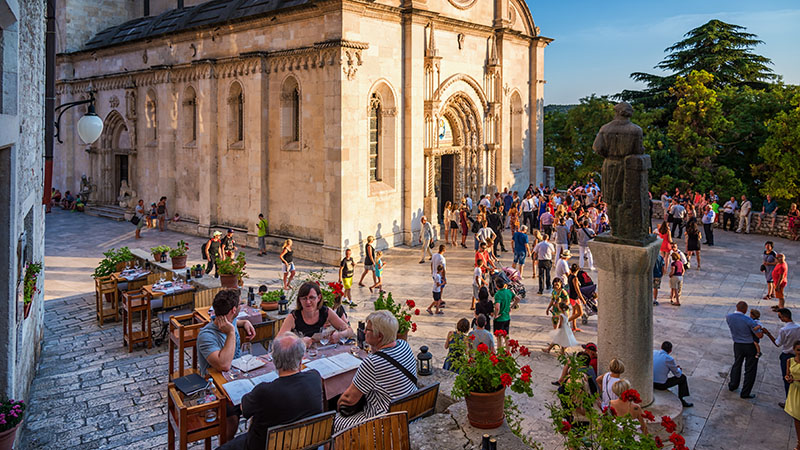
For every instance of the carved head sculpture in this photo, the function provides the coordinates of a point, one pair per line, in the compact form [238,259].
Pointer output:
[623,110]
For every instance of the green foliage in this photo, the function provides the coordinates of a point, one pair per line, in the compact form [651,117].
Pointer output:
[158,250]
[781,153]
[484,371]
[108,264]
[271,296]
[32,272]
[696,118]
[233,266]
[401,311]
[180,250]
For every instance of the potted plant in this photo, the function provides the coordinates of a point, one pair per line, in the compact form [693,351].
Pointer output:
[158,251]
[402,312]
[113,257]
[269,300]
[483,377]
[231,271]
[11,412]
[178,255]
[32,271]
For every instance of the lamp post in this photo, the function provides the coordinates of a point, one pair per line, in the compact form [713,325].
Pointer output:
[90,126]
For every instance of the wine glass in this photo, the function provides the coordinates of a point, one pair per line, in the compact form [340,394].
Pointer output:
[247,350]
[324,339]
[136,265]
[235,373]
[342,339]
[269,350]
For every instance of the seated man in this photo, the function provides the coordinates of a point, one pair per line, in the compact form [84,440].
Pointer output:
[663,364]
[218,342]
[299,395]
[68,202]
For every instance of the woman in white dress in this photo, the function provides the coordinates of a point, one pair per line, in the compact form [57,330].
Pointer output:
[562,336]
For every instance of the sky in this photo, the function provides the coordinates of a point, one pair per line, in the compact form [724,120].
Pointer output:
[599,44]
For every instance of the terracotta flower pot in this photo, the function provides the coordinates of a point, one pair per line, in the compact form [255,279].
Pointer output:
[179,262]
[7,437]
[229,281]
[403,336]
[269,306]
[486,410]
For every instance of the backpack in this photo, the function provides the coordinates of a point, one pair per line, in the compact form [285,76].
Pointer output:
[584,279]
[476,226]
[203,251]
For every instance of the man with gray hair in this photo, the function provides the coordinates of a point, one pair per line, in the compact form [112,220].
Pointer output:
[425,238]
[299,395]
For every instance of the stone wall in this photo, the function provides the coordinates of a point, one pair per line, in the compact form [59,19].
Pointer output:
[82,19]
[22,217]
[781,222]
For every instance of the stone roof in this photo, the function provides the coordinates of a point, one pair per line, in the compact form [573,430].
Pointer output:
[214,12]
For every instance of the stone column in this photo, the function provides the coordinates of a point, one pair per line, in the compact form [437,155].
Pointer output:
[625,316]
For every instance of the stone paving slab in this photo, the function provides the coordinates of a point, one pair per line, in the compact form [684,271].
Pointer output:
[90,393]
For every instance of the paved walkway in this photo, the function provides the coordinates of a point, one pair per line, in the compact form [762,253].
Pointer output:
[90,393]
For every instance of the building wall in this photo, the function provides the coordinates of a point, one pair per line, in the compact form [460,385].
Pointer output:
[22,217]
[79,20]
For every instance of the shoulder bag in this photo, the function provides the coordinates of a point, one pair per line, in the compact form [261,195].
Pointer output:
[135,219]
[349,410]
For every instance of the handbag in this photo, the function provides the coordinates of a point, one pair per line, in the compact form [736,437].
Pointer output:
[135,220]
[431,245]
[349,410]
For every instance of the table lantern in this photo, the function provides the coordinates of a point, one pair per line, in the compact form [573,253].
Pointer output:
[283,305]
[424,361]
[251,297]
[164,257]
[147,265]
[188,275]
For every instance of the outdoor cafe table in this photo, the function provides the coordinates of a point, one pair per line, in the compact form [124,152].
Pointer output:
[134,275]
[332,386]
[179,287]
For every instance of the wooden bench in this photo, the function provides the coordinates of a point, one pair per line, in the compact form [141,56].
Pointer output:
[384,432]
[417,404]
[304,434]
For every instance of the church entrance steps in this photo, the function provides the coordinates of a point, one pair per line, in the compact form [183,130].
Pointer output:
[108,211]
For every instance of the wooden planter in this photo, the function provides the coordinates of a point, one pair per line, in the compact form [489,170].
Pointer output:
[229,281]
[7,437]
[269,306]
[485,411]
[179,262]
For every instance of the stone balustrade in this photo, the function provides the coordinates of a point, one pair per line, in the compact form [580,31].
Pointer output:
[781,222]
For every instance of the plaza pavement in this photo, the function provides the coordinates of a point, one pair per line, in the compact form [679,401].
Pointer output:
[90,393]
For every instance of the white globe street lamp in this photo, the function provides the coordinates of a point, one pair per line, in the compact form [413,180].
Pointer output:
[90,126]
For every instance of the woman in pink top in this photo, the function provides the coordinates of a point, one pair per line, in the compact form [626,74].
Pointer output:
[666,240]
[780,276]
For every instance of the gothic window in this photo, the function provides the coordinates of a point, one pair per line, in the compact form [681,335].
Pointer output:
[290,114]
[374,138]
[190,115]
[236,114]
[151,118]
[515,138]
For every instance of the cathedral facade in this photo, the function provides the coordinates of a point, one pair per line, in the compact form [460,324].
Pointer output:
[335,119]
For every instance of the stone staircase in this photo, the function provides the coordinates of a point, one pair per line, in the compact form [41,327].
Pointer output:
[112,212]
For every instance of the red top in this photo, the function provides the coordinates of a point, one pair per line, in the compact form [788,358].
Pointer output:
[484,255]
[780,274]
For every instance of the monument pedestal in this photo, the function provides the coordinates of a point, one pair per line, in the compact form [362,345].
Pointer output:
[625,316]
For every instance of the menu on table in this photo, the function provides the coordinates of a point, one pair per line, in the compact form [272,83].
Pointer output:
[237,389]
[171,287]
[334,365]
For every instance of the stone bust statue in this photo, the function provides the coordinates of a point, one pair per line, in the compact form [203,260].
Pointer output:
[624,180]
[86,188]
[126,195]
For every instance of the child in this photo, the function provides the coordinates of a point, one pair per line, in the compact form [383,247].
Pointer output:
[438,283]
[176,218]
[755,315]
[151,219]
[559,295]
[562,335]
[378,272]
[338,308]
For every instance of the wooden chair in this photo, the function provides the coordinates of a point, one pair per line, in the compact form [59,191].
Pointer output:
[155,277]
[133,302]
[304,434]
[417,404]
[106,290]
[188,423]
[385,432]
[183,331]
[265,331]
[205,297]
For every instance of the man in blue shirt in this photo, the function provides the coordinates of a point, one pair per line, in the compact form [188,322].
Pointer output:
[708,225]
[658,272]
[663,365]
[521,248]
[743,330]
[770,208]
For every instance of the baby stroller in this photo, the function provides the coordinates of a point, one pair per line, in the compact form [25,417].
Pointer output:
[511,278]
[589,292]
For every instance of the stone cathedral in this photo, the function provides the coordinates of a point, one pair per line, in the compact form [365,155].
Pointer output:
[336,119]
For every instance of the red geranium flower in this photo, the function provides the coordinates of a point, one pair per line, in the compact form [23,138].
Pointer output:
[500,333]
[413,327]
[526,377]
[513,345]
[407,317]
[631,395]
[505,379]
[525,369]
[471,337]
[648,415]
[494,359]
[677,439]
[610,410]
[524,351]
[659,443]
[565,427]
[483,348]
[410,303]
[668,424]
[416,312]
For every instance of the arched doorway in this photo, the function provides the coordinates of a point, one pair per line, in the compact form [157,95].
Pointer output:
[113,162]
[455,162]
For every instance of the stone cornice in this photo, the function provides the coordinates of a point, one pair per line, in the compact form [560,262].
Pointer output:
[327,53]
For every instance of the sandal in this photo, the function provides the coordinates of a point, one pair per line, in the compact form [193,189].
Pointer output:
[429,311]
[766,297]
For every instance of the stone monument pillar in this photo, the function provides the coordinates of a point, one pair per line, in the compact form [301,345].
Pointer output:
[625,256]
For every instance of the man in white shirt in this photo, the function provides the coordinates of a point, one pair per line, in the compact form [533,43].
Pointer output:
[544,252]
[527,211]
[676,213]
[787,336]
[708,225]
[562,266]
[485,201]
[663,365]
[439,260]
[728,211]
[744,216]
[682,256]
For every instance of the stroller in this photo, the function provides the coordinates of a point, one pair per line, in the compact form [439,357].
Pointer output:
[511,278]
[589,292]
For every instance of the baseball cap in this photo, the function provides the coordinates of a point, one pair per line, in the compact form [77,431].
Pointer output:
[230,231]
[217,233]
[590,346]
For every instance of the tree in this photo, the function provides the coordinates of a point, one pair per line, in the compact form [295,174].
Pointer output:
[781,154]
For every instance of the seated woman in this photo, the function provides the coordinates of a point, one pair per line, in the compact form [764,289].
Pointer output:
[454,351]
[311,314]
[378,378]
[624,406]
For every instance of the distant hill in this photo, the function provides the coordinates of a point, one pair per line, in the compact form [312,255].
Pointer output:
[559,108]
